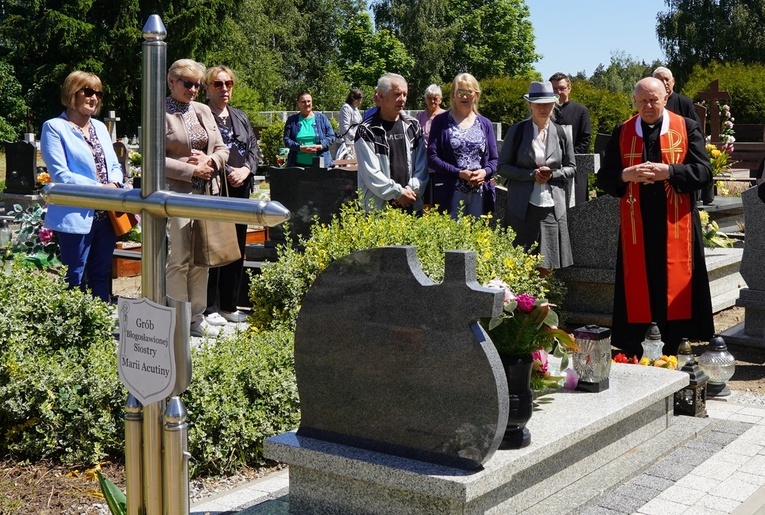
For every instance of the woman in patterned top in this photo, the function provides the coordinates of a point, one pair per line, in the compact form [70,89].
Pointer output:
[194,153]
[224,282]
[462,149]
[77,149]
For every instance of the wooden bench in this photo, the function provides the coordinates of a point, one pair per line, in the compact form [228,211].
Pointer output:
[347,164]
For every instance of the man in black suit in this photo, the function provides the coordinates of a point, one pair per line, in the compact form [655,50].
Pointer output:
[578,117]
[677,103]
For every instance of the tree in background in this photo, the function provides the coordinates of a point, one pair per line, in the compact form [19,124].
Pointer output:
[366,55]
[484,37]
[742,81]
[494,38]
[697,32]
[622,73]
[12,106]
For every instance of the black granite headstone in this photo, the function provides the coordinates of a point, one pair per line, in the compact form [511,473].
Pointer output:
[309,193]
[20,167]
[388,360]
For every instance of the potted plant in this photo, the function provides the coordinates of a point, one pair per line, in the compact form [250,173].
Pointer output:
[526,325]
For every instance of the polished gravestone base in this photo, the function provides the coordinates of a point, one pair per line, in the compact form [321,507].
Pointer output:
[10,199]
[575,434]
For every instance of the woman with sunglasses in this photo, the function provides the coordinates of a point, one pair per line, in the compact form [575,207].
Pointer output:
[463,152]
[77,149]
[194,154]
[224,282]
[308,134]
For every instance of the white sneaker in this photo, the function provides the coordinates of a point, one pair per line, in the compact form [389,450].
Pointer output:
[235,316]
[215,319]
[201,328]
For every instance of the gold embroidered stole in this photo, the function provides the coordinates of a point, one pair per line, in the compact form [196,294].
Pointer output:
[674,147]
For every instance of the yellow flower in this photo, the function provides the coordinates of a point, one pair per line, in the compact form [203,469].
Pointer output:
[704,216]
[715,153]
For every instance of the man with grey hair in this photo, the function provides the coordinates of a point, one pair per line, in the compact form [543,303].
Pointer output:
[390,150]
[677,103]
[655,162]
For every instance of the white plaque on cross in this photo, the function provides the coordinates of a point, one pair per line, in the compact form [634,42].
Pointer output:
[146,360]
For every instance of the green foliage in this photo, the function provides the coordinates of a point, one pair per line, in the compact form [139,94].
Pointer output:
[495,37]
[278,292]
[366,54]
[31,239]
[696,32]
[486,38]
[61,399]
[622,73]
[607,108]
[60,396]
[502,100]
[243,392]
[12,105]
[271,140]
[742,81]
[114,497]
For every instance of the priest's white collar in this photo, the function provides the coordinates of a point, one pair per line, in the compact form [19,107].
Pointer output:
[664,125]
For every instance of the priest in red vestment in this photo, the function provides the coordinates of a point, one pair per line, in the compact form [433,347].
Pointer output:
[654,163]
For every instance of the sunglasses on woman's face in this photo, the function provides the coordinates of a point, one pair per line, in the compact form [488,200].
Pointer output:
[188,84]
[89,92]
[218,84]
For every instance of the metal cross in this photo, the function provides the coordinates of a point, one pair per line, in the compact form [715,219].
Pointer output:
[148,490]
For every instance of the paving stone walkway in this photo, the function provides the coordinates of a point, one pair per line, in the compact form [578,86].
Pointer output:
[720,472]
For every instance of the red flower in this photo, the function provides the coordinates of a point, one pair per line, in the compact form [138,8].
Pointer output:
[525,302]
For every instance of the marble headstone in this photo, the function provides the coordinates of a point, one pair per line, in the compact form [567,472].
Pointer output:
[389,361]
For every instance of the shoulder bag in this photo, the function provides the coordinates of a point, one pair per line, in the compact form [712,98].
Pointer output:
[214,243]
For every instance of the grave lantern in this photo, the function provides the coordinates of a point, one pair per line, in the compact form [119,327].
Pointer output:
[719,365]
[593,359]
[652,344]
[692,399]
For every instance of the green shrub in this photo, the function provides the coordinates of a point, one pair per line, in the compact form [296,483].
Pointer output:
[243,392]
[742,81]
[271,140]
[278,292]
[60,396]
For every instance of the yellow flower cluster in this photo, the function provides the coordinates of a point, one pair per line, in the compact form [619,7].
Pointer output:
[43,178]
[663,362]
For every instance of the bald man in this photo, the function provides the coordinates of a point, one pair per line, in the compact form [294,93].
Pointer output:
[654,163]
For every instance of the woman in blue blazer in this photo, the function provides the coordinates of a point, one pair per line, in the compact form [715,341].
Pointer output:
[77,149]
[308,134]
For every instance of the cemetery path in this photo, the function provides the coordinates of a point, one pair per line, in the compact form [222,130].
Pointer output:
[46,489]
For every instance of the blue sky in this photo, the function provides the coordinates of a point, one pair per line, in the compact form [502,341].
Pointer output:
[576,36]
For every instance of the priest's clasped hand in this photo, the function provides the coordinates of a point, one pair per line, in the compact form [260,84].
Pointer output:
[647,173]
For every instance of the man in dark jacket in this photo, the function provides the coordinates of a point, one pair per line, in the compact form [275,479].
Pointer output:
[577,116]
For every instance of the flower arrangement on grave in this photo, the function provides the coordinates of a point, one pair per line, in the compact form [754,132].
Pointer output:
[529,325]
[720,158]
[541,376]
[713,237]
[135,160]
[42,179]
[662,362]
[36,243]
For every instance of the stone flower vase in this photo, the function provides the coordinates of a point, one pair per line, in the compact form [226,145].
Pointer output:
[518,371]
